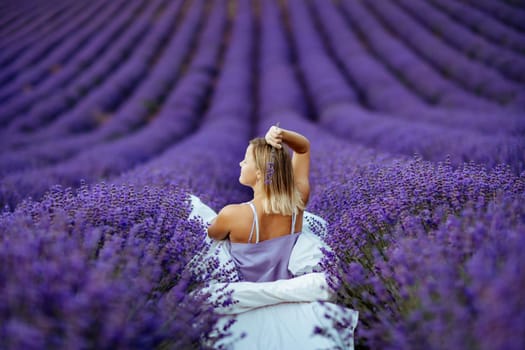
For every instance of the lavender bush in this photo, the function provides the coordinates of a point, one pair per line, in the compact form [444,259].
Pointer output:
[412,241]
[101,268]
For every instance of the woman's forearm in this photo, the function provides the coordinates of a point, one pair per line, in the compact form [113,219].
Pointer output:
[297,142]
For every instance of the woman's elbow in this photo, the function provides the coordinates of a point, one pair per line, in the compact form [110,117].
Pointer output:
[213,234]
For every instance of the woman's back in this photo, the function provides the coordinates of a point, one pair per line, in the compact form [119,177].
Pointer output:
[270,225]
[264,260]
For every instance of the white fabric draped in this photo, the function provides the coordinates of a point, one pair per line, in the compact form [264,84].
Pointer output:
[283,314]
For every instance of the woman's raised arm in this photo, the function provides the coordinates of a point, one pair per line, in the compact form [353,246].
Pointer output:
[300,158]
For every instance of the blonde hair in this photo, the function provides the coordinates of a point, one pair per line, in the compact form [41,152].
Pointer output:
[281,194]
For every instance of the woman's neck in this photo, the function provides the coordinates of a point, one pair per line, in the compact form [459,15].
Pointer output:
[258,193]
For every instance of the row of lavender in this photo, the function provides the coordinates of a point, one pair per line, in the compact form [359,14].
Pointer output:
[489,27]
[500,150]
[178,116]
[383,92]
[338,111]
[83,91]
[53,107]
[509,63]
[417,68]
[507,14]
[22,19]
[133,113]
[123,236]
[42,99]
[58,148]
[29,50]
[469,74]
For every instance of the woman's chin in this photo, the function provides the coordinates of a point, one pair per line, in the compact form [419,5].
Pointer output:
[243,183]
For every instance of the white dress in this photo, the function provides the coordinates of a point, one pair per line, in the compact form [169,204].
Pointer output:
[283,314]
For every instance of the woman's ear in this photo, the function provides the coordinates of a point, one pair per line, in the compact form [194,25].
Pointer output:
[258,174]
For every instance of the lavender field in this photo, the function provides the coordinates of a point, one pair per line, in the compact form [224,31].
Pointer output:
[113,112]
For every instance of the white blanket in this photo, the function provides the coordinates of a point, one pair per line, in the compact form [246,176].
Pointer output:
[284,314]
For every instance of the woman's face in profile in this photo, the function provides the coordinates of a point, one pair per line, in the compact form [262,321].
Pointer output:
[248,175]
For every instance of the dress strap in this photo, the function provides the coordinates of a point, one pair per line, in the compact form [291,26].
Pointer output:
[254,224]
[293,222]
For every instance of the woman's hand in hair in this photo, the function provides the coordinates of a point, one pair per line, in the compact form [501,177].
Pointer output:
[274,136]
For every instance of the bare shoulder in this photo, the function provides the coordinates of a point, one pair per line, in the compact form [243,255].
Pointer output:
[231,210]
[223,223]
[232,214]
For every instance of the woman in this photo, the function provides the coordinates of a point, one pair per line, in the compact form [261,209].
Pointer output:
[264,231]
[281,298]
